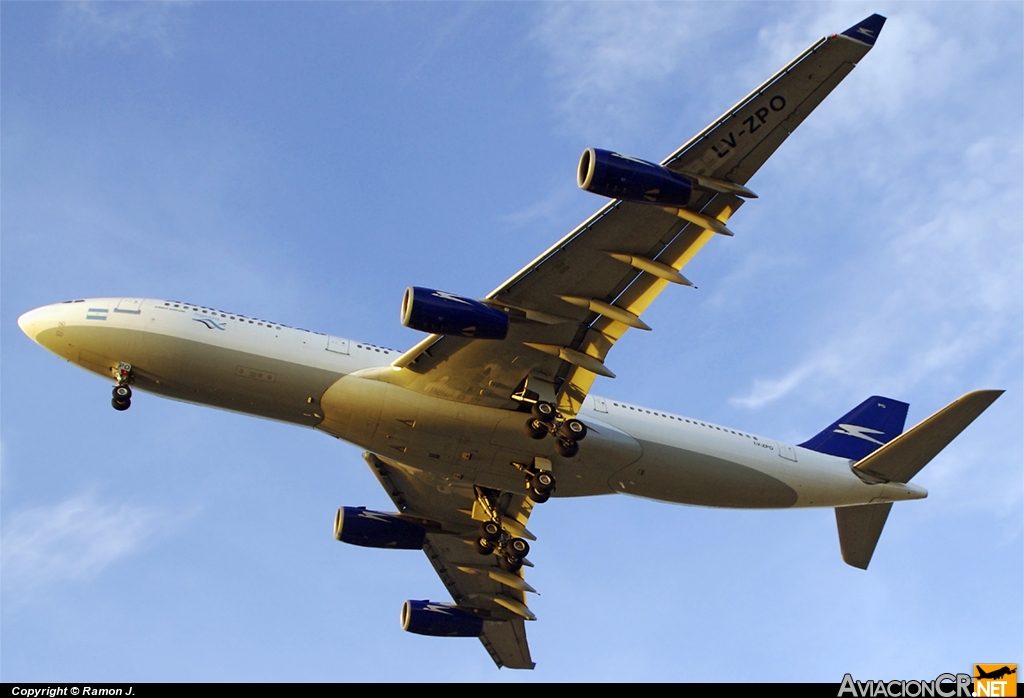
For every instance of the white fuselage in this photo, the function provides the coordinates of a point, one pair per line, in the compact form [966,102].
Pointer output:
[350,390]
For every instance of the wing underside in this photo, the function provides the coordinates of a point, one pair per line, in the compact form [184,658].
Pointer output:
[476,582]
[603,267]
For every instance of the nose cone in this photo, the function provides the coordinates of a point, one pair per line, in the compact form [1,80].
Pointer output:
[35,322]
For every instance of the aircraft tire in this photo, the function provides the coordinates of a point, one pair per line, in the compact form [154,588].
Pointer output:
[517,548]
[490,531]
[538,498]
[573,429]
[510,564]
[120,405]
[566,448]
[536,428]
[540,487]
[544,411]
[483,546]
[542,483]
[122,393]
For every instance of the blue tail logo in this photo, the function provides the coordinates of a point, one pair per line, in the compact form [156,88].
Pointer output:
[862,431]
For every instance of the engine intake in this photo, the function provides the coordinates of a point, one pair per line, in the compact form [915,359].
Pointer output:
[440,620]
[439,312]
[630,179]
[373,529]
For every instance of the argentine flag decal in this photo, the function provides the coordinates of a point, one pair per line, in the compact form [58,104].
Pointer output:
[96,314]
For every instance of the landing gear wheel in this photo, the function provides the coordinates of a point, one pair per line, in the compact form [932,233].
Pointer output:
[510,564]
[566,448]
[572,430]
[120,405]
[540,486]
[517,548]
[536,428]
[539,498]
[543,482]
[122,393]
[490,531]
[483,546]
[544,411]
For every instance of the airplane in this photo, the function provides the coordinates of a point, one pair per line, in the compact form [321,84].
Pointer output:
[492,414]
[995,674]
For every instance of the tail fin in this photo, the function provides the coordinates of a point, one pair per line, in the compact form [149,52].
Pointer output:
[867,31]
[899,460]
[863,430]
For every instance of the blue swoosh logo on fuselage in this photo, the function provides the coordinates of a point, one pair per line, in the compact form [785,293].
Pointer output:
[209,323]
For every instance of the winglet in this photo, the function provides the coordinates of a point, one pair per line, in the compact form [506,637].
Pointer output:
[866,31]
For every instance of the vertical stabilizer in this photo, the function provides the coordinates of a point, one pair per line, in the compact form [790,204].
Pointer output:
[863,430]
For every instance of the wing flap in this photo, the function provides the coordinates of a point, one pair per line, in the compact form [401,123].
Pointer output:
[506,643]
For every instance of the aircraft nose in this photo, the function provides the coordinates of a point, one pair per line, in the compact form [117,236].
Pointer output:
[37,321]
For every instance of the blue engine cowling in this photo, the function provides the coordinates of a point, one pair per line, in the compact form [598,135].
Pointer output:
[440,620]
[622,177]
[438,312]
[373,529]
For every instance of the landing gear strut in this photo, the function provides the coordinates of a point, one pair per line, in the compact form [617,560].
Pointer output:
[122,393]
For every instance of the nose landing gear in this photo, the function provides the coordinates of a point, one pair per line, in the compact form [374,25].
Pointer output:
[540,481]
[122,394]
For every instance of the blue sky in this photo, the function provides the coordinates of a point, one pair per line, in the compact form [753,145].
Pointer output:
[307,162]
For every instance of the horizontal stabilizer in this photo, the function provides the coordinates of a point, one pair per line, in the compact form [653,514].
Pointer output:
[904,456]
[859,529]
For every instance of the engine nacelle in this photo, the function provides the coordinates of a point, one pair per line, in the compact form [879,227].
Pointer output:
[622,177]
[373,529]
[440,620]
[438,312]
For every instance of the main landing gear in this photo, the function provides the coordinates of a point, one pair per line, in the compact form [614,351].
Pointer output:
[546,420]
[122,394]
[492,538]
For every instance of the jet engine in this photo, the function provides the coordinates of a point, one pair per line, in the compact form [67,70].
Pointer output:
[438,312]
[373,529]
[439,620]
[630,179]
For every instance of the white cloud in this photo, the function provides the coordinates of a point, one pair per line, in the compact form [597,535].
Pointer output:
[766,391]
[71,540]
[949,292]
[605,57]
[121,24]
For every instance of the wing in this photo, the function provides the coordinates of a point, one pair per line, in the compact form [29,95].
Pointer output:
[475,582]
[571,304]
